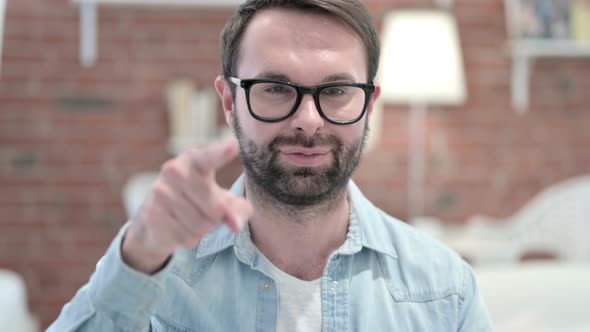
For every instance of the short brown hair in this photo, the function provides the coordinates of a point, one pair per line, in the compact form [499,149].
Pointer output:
[352,12]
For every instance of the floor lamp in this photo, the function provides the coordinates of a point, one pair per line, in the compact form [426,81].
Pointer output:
[421,65]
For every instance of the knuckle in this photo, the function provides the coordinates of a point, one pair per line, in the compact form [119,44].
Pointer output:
[171,168]
[190,151]
[216,208]
[160,192]
[198,160]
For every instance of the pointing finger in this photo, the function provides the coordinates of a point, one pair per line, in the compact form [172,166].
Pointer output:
[214,156]
[238,212]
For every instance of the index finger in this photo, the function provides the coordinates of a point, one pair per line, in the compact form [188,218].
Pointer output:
[214,156]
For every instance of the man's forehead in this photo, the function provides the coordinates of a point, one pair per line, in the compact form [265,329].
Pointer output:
[304,27]
[277,42]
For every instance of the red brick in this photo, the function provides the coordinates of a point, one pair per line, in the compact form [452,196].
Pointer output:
[62,208]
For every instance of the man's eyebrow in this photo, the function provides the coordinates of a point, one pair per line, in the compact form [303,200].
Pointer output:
[339,77]
[271,75]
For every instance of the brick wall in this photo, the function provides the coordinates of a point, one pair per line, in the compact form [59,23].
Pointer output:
[71,136]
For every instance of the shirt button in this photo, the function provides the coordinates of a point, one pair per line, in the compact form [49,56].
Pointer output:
[334,285]
[267,286]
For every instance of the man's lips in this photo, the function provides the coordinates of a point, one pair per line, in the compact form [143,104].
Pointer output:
[306,157]
[305,151]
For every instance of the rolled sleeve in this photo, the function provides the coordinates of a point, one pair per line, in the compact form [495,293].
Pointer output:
[117,297]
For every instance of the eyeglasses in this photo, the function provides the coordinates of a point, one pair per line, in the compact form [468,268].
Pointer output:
[274,101]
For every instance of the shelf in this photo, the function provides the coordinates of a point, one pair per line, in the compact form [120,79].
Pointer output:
[524,53]
[550,48]
[525,50]
[208,3]
[89,19]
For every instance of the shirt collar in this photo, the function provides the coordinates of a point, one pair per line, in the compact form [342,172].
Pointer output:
[366,229]
[374,225]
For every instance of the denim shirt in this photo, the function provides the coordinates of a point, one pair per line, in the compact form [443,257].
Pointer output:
[385,277]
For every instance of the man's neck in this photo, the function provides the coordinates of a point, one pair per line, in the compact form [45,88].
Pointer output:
[298,241]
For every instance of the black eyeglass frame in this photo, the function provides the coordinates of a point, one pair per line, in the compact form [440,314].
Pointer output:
[246,84]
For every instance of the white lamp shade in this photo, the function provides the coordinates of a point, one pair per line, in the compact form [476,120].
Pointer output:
[421,59]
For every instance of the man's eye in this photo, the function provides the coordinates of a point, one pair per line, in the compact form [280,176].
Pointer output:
[277,89]
[334,91]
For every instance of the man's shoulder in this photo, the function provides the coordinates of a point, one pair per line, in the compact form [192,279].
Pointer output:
[420,264]
[389,235]
[408,241]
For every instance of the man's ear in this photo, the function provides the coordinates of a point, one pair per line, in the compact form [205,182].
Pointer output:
[375,118]
[227,101]
[374,98]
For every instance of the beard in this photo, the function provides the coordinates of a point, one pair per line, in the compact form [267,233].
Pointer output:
[293,186]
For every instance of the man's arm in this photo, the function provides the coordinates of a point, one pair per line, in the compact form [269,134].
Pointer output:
[185,203]
[473,313]
[117,297]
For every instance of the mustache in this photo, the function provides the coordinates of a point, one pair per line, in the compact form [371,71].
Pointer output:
[306,141]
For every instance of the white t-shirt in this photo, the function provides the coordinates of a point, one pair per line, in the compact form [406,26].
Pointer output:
[300,302]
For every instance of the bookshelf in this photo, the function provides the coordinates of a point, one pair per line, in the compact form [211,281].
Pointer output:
[543,28]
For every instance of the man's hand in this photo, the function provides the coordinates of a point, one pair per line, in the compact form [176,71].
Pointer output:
[184,205]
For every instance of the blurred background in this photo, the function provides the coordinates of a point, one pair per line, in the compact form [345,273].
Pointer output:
[95,96]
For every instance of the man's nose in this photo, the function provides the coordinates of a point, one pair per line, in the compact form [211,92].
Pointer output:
[307,117]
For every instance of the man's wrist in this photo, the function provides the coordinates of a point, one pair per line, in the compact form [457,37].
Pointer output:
[138,257]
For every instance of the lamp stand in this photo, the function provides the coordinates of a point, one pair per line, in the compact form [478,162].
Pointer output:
[417,166]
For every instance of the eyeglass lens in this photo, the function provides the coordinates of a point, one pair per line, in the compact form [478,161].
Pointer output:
[276,100]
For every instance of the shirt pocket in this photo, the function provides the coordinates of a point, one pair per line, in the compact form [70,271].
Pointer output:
[159,324]
[431,311]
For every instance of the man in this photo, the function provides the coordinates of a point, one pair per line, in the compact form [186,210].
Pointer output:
[294,245]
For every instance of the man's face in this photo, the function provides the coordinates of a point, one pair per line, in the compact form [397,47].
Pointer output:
[294,184]
[304,159]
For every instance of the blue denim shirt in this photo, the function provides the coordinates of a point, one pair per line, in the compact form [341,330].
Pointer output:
[385,277]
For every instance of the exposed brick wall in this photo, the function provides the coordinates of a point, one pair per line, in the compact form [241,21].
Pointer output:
[483,157]
[71,136]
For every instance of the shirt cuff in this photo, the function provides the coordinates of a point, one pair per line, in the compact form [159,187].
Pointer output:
[128,296]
